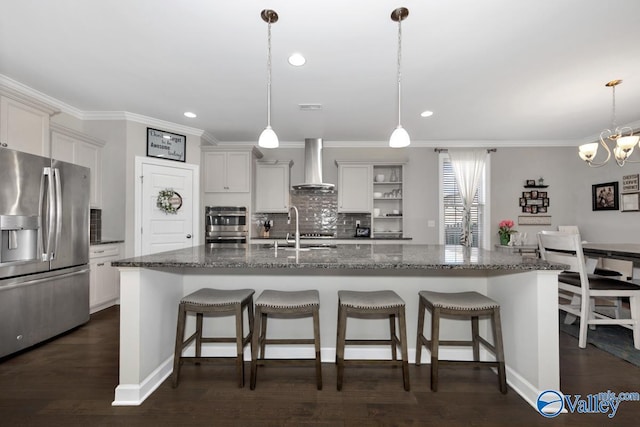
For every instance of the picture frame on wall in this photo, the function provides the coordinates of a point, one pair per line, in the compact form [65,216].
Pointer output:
[166,145]
[604,197]
[630,183]
[631,202]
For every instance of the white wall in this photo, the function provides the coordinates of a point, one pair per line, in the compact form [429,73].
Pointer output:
[568,177]
[114,181]
[569,181]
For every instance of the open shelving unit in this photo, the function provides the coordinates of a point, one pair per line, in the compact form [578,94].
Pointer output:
[388,202]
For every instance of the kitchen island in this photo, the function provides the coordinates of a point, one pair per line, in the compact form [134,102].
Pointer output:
[151,287]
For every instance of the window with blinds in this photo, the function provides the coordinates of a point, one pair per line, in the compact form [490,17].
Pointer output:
[452,207]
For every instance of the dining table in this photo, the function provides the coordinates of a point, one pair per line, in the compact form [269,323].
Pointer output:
[622,251]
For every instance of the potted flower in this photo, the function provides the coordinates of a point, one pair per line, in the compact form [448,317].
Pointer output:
[505,229]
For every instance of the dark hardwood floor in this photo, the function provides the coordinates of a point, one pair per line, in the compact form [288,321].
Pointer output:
[70,381]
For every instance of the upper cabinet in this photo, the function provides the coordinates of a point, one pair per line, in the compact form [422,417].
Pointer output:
[354,187]
[74,147]
[272,186]
[228,170]
[24,124]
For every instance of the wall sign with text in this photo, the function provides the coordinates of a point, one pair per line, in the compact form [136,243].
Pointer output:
[630,183]
[166,145]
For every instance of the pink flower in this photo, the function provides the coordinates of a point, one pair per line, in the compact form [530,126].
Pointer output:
[506,223]
[505,227]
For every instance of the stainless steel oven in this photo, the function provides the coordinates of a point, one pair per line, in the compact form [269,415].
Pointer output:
[226,226]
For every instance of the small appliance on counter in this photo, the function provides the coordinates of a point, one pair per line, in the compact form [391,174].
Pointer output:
[226,226]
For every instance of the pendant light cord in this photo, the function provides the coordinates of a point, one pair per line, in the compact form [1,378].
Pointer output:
[269,74]
[399,72]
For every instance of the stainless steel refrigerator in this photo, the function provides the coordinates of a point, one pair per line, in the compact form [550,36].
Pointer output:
[44,248]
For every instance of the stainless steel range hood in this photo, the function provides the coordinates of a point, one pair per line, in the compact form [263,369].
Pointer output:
[313,166]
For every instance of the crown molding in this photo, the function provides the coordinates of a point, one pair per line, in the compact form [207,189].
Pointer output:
[28,96]
[63,130]
[36,99]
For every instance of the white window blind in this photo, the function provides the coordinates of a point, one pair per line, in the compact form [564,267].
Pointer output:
[452,208]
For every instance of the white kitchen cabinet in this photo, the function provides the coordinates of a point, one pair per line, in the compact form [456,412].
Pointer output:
[272,186]
[104,290]
[354,187]
[74,147]
[227,171]
[24,126]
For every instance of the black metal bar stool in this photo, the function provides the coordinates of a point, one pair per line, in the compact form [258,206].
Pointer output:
[214,302]
[372,304]
[288,304]
[463,304]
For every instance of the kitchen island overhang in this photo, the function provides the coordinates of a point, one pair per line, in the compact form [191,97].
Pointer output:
[151,287]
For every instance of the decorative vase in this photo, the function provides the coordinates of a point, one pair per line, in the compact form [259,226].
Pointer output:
[394,176]
[504,239]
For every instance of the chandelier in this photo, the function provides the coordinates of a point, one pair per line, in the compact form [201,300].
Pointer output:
[400,137]
[624,143]
[268,138]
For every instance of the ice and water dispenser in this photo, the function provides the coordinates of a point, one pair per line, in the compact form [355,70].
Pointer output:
[18,238]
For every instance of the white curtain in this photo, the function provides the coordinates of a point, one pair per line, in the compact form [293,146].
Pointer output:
[467,168]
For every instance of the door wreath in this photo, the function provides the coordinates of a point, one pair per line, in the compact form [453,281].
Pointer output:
[169,201]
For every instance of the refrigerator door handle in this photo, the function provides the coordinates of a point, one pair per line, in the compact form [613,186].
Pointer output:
[48,211]
[58,210]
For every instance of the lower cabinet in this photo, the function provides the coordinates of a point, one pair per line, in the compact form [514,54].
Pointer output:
[104,279]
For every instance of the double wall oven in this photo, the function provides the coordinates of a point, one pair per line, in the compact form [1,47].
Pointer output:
[226,226]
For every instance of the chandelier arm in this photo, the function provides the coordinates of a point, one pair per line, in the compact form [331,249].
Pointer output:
[606,147]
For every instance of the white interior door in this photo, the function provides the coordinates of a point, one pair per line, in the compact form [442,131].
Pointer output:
[161,231]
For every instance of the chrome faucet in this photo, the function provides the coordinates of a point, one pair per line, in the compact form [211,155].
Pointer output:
[297,235]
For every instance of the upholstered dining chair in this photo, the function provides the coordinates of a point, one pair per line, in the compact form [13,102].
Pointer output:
[566,248]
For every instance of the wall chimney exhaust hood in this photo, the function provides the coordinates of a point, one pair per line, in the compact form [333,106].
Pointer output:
[313,166]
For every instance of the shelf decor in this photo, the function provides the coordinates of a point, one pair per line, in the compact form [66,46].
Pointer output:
[169,201]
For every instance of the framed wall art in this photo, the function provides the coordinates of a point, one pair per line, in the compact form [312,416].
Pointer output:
[630,183]
[166,145]
[631,202]
[604,197]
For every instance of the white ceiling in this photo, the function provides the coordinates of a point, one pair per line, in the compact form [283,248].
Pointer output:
[530,71]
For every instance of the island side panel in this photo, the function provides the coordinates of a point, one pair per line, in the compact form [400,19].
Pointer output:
[148,312]
[529,311]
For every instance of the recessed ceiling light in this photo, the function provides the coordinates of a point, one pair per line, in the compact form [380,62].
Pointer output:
[297,60]
[190,115]
[426,113]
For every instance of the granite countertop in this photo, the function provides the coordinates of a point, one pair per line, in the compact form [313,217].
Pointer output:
[348,256]
[331,239]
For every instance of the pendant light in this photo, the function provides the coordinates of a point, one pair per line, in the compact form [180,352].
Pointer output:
[399,137]
[268,138]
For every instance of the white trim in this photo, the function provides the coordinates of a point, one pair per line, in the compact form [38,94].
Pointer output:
[140,161]
[135,394]
[63,130]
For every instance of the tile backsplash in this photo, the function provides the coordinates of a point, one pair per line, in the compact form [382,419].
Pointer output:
[95,225]
[318,214]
